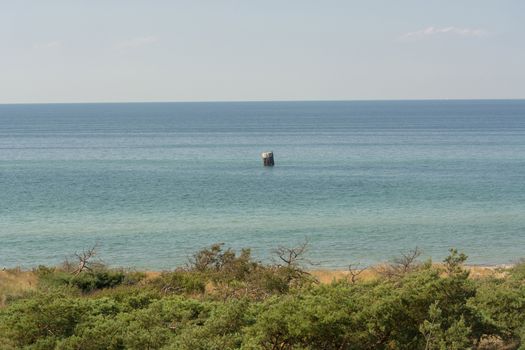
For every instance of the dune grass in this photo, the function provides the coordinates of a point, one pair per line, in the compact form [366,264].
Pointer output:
[15,283]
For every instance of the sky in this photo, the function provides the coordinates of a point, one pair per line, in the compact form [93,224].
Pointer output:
[219,50]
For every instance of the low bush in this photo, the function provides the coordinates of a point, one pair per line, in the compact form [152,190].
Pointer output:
[228,301]
[89,280]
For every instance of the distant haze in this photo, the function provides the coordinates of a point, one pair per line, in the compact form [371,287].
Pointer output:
[105,51]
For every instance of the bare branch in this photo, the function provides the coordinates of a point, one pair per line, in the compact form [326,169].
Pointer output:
[400,266]
[84,259]
[292,257]
[355,271]
[407,261]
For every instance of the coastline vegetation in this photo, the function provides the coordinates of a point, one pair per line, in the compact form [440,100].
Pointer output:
[228,300]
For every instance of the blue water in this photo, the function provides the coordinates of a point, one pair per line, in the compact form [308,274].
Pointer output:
[362,181]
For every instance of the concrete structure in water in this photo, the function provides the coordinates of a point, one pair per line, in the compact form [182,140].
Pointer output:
[267,158]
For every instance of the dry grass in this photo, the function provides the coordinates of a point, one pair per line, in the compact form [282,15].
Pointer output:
[488,271]
[15,282]
[494,343]
[150,275]
[476,272]
[328,276]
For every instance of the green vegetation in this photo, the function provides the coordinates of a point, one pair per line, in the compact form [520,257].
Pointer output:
[224,300]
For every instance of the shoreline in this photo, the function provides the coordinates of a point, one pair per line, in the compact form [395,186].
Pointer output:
[310,270]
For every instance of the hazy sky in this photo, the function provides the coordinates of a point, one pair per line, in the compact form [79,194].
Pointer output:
[75,51]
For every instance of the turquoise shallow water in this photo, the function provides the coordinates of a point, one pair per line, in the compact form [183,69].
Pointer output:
[362,180]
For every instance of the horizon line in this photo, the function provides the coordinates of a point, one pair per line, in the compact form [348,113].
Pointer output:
[264,101]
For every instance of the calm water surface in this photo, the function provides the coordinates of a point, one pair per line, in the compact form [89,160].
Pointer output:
[362,180]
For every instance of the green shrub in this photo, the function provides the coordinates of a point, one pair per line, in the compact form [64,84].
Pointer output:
[221,330]
[227,301]
[97,279]
[87,281]
[29,322]
[501,303]
[180,282]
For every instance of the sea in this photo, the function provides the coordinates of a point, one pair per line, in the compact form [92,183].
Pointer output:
[361,181]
